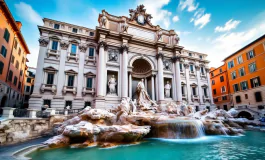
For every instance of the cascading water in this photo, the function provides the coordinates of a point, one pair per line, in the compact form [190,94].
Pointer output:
[178,129]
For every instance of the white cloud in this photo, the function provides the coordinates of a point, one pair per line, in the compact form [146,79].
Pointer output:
[27,13]
[229,25]
[175,18]
[200,18]
[191,5]
[154,8]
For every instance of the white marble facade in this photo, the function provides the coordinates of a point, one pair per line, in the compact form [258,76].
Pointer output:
[76,64]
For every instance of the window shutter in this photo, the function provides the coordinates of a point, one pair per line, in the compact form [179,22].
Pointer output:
[247,55]
[251,82]
[259,81]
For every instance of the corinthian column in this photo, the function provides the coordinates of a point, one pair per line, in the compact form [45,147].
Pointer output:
[101,69]
[124,71]
[160,76]
[197,67]
[176,59]
[187,73]
[209,85]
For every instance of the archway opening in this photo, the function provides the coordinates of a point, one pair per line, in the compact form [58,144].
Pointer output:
[142,69]
[244,114]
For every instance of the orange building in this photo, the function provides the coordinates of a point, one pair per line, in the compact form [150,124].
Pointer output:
[220,87]
[246,74]
[13,52]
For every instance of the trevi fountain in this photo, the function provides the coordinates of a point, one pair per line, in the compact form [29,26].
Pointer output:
[141,129]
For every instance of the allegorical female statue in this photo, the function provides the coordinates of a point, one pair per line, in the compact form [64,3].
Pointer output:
[143,100]
[167,90]
[112,85]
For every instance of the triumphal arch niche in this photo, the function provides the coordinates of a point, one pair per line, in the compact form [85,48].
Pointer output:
[131,49]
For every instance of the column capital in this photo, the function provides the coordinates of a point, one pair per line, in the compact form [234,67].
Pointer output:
[186,65]
[124,47]
[160,55]
[83,47]
[43,42]
[64,45]
[103,44]
[197,67]
[175,59]
[207,70]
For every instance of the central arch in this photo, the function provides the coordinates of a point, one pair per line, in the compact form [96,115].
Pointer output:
[141,69]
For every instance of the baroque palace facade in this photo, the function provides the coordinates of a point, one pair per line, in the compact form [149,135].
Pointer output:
[79,67]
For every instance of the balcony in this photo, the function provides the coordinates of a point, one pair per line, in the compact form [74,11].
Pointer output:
[52,52]
[48,87]
[90,59]
[73,56]
[195,98]
[70,89]
[206,99]
[88,91]
[184,97]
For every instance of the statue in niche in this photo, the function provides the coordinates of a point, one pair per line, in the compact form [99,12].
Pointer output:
[177,39]
[159,35]
[143,100]
[167,90]
[112,85]
[125,27]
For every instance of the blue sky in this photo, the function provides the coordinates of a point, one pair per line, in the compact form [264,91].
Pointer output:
[215,27]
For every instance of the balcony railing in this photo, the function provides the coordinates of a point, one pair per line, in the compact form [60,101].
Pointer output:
[184,97]
[206,98]
[52,52]
[195,98]
[90,59]
[71,89]
[88,91]
[74,56]
[48,87]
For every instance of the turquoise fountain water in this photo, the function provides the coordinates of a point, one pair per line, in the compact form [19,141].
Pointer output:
[250,146]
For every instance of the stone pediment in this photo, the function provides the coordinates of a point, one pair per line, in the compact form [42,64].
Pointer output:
[71,71]
[50,68]
[90,74]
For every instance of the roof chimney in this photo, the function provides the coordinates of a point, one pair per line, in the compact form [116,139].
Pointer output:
[19,24]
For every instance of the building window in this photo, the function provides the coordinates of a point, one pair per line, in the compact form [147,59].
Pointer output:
[238,99]
[68,105]
[233,75]
[231,64]
[239,60]
[6,35]
[89,82]
[250,54]
[194,91]
[87,104]
[252,67]
[236,87]
[205,92]
[21,72]
[15,81]
[246,96]
[73,49]
[56,26]
[220,70]
[74,30]
[17,64]
[191,68]
[15,44]
[244,85]
[19,85]
[255,82]
[28,80]
[19,51]
[1,67]
[71,79]
[241,72]
[202,70]
[200,57]
[50,78]
[54,45]
[214,91]
[180,67]
[224,98]
[3,51]
[13,59]
[216,100]
[222,78]
[182,90]
[212,74]
[190,54]
[258,97]
[10,75]
[27,88]
[47,102]
[91,33]
[223,89]
[213,82]
[23,60]
[91,52]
